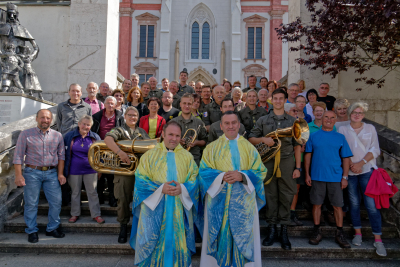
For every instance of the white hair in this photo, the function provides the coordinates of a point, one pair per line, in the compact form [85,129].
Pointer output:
[238,89]
[95,85]
[355,105]
[86,117]
[260,91]
[112,98]
[135,75]
[289,106]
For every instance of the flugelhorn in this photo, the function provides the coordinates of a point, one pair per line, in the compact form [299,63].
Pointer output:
[104,160]
[299,130]
[188,138]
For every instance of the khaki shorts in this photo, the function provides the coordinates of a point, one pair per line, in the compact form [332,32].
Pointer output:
[320,189]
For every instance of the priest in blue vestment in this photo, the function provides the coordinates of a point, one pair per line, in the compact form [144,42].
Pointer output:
[232,190]
[165,204]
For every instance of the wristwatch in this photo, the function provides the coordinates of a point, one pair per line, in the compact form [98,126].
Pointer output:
[300,169]
[346,178]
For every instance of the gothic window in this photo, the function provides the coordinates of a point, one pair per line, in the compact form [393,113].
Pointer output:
[205,44]
[195,40]
[200,46]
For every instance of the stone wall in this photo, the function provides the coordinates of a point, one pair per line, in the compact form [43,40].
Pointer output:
[10,196]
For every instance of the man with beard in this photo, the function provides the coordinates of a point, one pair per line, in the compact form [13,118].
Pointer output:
[167,111]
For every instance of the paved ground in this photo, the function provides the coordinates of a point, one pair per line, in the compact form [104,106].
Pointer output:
[50,260]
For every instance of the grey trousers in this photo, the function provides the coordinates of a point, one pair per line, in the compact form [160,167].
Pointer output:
[90,180]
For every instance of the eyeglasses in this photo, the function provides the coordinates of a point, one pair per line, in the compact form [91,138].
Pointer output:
[357,113]
[131,115]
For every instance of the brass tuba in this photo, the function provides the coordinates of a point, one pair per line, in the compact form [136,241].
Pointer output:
[104,160]
[299,131]
[189,138]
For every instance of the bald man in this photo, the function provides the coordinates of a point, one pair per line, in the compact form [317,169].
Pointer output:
[330,154]
[212,113]
[154,91]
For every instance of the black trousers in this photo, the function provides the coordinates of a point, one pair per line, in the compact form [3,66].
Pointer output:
[106,180]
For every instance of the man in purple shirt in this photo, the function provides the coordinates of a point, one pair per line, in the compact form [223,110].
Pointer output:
[44,152]
[92,88]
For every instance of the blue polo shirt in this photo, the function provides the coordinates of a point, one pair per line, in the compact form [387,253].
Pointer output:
[328,149]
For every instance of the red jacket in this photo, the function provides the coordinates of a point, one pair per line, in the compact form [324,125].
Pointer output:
[144,124]
[380,187]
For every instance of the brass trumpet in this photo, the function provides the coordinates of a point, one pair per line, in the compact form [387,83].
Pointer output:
[189,139]
[104,160]
[299,131]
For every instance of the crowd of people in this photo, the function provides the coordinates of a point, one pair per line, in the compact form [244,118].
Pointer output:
[325,175]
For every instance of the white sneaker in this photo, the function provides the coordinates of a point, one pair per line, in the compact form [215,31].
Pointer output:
[357,240]
[380,249]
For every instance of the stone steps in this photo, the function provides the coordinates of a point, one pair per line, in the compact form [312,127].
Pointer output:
[85,243]
[85,224]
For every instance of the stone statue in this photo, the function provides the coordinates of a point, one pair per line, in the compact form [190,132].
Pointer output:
[11,65]
[31,81]
[13,39]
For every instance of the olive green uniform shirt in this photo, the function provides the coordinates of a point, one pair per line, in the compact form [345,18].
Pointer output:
[125,133]
[193,123]
[270,123]
[249,117]
[185,89]
[248,88]
[176,102]
[156,93]
[215,131]
[212,113]
[203,106]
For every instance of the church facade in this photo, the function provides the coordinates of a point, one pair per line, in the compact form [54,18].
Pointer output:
[210,39]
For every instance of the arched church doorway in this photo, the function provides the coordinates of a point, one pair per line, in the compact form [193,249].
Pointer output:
[202,75]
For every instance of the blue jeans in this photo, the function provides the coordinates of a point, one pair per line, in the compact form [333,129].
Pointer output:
[357,183]
[34,180]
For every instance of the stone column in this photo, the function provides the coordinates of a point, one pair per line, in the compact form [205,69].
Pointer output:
[275,47]
[163,68]
[223,62]
[236,40]
[93,42]
[125,38]
[177,54]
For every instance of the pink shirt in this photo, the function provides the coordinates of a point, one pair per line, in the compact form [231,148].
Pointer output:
[94,104]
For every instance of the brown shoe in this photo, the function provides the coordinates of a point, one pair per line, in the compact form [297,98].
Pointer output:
[341,240]
[316,237]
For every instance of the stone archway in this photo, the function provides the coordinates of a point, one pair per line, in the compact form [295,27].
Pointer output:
[202,75]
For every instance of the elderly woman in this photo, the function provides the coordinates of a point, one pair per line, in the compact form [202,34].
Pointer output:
[363,141]
[340,107]
[300,102]
[311,96]
[290,109]
[77,143]
[136,100]
[237,99]
[153,123]
[251,113]
[318,111]
[120,96]
[123,185]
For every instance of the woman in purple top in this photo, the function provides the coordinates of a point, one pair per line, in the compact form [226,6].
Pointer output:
[78,169]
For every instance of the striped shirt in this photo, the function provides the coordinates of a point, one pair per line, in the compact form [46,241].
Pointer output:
[40,149]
